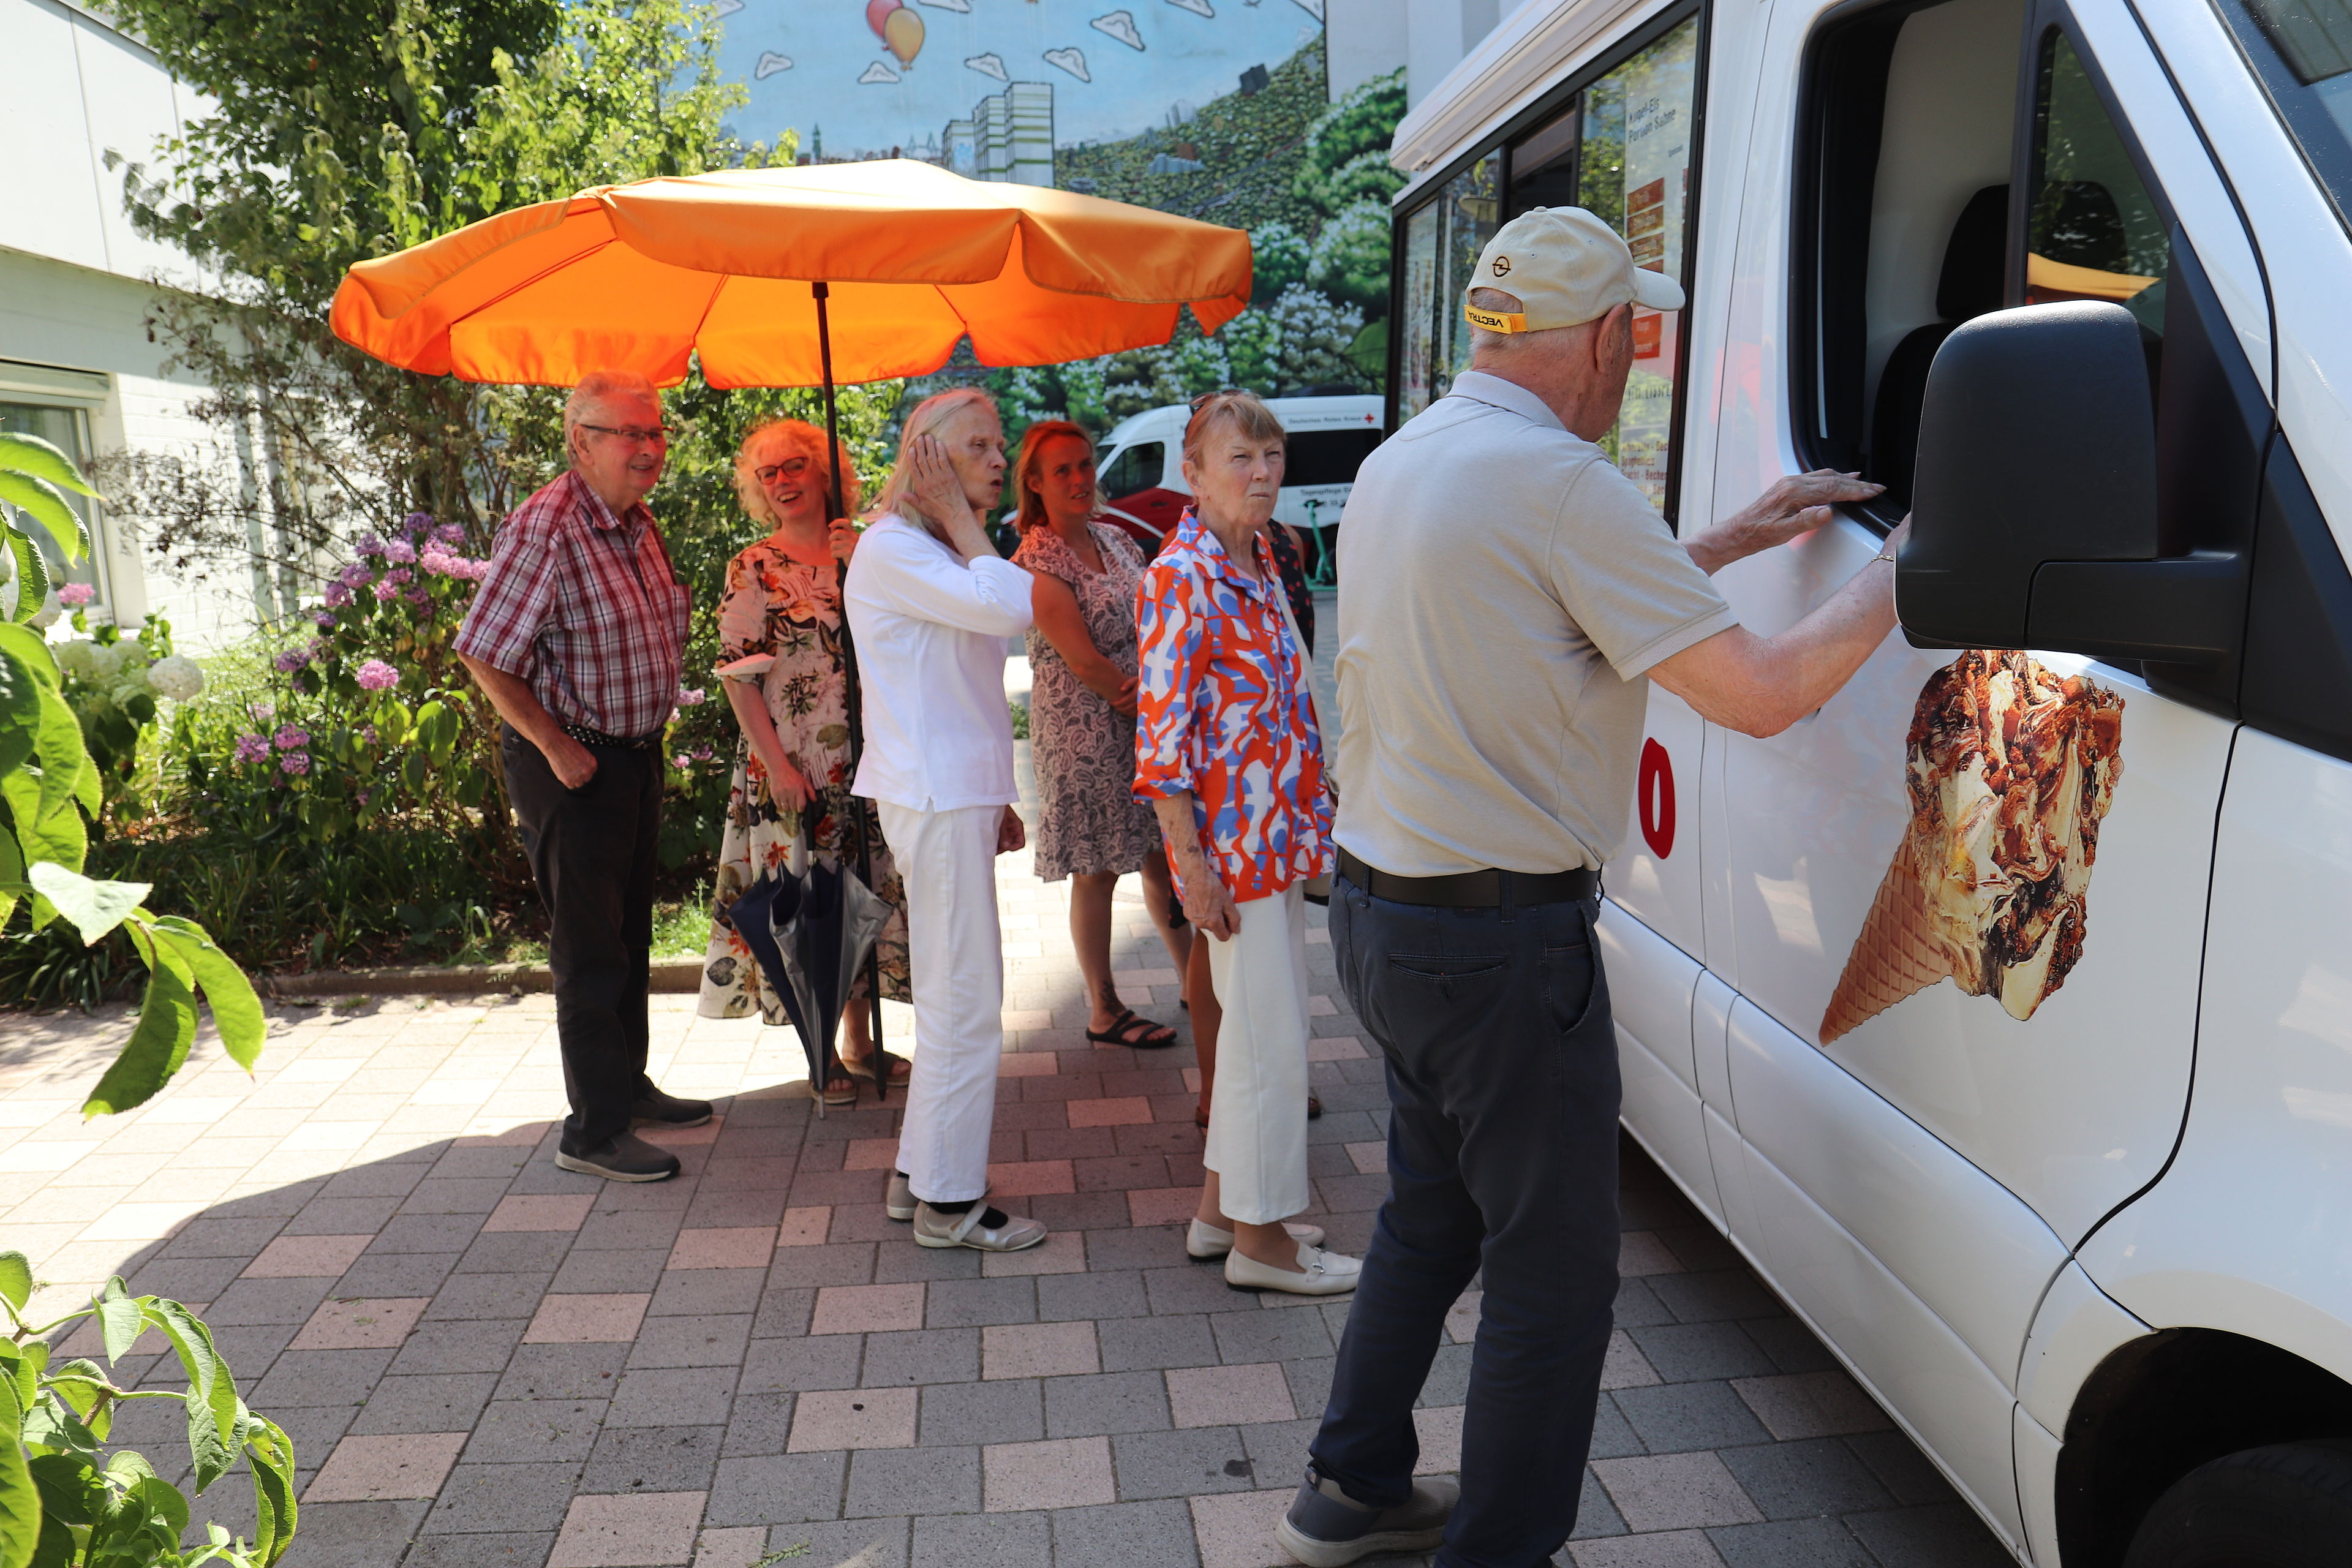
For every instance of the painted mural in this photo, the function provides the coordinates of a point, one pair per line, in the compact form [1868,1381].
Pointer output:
[1219,109]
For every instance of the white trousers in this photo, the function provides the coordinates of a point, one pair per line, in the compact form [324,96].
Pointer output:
[1257,1107]
[947,861]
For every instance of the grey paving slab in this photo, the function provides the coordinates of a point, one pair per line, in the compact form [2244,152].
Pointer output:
[1011,1410]
[354,1534]
[864,1542]
[519,1431]
[506,1549]
[984,1541]
[1814,1477]
[450,1403]
[918,1481]
[673,1396]
[1675,1417]
[1098,1405]
[1124,1535]
[653,1459]
[1180,1464]
[783,1489]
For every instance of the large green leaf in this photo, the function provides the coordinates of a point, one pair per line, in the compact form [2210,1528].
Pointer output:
[41,500]
[20,1500]
[20,709]
[121,1318]
[30,455]
[32,575]
[15,1279]
[236,1011]
[157,1047]
[60,751]
[92,906]
[26,644]
[271,1453]
[213,1405]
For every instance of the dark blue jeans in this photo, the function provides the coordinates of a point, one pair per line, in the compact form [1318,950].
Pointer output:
[1502,1073]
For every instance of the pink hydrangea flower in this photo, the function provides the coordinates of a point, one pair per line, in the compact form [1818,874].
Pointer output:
[325,621]
[289,739]
[691,697]
[400,551]
[251,749]
[296,763]
[451,534]
[292,659]
[74,595]
[377,676]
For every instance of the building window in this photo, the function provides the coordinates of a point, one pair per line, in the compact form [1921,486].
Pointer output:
[68,429]
[1621,147]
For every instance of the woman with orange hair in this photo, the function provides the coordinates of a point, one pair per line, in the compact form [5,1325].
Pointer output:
[783,601]
[1082,655]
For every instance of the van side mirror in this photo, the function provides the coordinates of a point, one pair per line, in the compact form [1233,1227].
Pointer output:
[2034,513]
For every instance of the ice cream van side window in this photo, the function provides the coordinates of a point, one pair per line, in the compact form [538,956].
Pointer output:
[2302,50]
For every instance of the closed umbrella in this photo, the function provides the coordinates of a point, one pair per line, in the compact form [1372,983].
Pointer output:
[755,273]
[809,931]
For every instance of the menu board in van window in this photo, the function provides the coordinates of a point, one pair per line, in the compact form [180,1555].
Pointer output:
[1655,89]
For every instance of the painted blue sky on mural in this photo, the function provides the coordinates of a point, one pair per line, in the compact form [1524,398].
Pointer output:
[878,73]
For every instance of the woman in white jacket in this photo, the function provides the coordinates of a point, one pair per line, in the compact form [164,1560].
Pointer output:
[931,604]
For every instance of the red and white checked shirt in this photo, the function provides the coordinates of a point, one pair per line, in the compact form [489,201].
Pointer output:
[585,606]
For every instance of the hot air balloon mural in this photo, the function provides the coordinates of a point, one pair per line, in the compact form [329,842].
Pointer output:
[902,29]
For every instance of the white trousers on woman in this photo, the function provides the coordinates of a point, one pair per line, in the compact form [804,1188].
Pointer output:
[1257,1106]
[947,861]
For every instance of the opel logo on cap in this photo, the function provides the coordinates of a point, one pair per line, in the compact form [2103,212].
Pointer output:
[1502,266]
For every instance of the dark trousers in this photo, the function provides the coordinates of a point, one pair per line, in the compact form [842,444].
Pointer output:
[592,850]
[1502,1074]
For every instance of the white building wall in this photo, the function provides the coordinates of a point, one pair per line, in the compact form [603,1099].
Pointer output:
[76,282]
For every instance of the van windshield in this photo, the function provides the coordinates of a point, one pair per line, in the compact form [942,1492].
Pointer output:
[2302,50]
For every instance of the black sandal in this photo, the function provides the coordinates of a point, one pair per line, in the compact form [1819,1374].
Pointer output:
[1125,1023]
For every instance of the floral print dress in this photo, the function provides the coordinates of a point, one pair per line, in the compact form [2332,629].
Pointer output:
[1089,820]
[776,604]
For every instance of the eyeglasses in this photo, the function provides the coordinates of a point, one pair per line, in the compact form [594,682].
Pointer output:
[790,468]
[657,435]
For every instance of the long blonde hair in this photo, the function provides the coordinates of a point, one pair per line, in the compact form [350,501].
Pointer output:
[796,436]
[898,490]
[1032,455]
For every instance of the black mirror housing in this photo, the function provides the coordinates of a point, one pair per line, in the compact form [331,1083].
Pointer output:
[2037,443]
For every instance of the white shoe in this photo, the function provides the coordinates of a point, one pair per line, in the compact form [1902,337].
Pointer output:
[1325,1273]
[898,1202]
[933,1229]
[1207,1243]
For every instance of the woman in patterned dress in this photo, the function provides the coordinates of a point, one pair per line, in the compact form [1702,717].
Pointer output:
[784,598]
[1082,657]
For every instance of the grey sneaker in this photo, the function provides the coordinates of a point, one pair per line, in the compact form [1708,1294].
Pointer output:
[1010,1233]
[1326,1528]
[669,1110]
[898,1202]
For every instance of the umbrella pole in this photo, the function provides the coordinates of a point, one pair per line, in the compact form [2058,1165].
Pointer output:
[852,701]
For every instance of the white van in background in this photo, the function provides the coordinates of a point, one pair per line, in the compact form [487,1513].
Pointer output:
[1139,465]
[2000,1011]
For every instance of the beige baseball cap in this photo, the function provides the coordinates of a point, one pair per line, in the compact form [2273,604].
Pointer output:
[1566,266]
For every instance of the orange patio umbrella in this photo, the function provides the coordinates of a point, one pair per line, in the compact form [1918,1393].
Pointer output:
[638,277]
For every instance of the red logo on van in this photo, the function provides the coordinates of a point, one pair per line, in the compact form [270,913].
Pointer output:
[1656,793]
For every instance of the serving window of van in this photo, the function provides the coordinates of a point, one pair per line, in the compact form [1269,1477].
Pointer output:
[1954,158]
[1621,142]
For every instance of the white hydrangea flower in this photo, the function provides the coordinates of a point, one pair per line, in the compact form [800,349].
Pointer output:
[105,663]
[177,677]
[75,657]
[132,684]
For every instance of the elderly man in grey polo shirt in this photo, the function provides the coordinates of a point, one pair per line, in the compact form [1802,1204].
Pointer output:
[1509,597]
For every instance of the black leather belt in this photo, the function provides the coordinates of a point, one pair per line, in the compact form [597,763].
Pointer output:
[588,737]
[1473,889]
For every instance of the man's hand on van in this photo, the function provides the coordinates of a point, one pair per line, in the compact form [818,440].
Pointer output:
[1796,504]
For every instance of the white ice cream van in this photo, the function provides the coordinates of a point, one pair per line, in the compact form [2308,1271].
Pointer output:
[1999,1012]
[1140,465]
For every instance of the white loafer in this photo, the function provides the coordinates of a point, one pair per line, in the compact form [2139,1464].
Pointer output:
[933,1229]
[1325,1273]
[1207,1243]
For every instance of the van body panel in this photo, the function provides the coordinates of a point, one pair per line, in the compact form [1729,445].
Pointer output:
[2036,1455]
[2077,1327]
[1963,1245]
[1954,1406]
[1657,875]
[1650,985]
[2250,1228]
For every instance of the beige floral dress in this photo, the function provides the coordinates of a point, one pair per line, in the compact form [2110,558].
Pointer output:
[1088,820]
[776,604]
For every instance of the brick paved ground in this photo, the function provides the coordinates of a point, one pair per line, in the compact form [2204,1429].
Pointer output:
[485,1361]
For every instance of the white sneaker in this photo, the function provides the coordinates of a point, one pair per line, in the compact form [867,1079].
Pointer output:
[1206,1242]
[898,1202]
[1325,1273]
[933,1229]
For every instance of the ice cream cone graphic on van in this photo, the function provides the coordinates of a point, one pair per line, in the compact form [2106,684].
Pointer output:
[2011,768]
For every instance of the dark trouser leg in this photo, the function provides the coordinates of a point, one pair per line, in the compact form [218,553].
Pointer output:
[1502,1069]
[592,850]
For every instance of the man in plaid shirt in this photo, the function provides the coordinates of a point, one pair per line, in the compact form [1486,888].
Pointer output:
[576,637]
